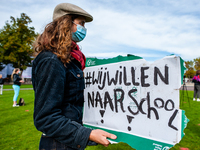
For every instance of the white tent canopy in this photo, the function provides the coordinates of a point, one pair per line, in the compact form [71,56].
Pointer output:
[8,69]
[27,73]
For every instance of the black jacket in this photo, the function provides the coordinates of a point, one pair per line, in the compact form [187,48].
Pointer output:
[16,79]
[1,81]
[59,100]
[196,79]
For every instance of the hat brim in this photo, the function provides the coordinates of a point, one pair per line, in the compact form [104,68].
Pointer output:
[87,17]
[67,9]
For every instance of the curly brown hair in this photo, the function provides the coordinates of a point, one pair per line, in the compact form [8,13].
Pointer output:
[57,38]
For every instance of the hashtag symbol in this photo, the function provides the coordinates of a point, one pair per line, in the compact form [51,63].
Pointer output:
[88,79]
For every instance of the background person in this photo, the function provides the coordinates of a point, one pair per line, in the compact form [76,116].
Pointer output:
[16,85]
[1,84]
[196,80]
[58,82]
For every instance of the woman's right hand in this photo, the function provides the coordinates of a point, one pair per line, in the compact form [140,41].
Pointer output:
[100,137]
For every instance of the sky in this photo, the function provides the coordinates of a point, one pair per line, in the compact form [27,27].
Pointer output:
[151,29]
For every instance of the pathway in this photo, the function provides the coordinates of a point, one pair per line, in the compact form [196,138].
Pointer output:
[189,87]
[20,89]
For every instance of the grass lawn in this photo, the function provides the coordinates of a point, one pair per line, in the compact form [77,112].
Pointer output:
[9,86]
[17,130]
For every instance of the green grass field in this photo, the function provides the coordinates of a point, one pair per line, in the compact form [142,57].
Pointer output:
[17,131]
[9,86]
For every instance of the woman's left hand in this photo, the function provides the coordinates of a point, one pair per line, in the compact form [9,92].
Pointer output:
[21,81]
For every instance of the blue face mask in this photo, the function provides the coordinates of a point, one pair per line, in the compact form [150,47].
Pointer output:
[80,33]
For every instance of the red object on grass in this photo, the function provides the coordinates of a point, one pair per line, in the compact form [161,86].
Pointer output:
[182,148]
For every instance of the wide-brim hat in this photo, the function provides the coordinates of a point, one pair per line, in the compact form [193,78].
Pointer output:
[67,8]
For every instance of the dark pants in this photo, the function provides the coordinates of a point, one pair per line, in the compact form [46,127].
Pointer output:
[48,143]
[196,91]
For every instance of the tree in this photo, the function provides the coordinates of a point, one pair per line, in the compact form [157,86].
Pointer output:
[197,63]
[16,40]
[190,69]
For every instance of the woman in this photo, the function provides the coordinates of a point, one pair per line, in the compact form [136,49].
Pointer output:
[1,84]
[58,82]
[16,85]
[196,80]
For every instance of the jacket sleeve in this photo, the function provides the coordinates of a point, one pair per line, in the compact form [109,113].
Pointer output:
[48,118]
[194,79]
[16,79]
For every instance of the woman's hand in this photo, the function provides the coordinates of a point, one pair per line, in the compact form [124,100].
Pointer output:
[21,81]
[99,136]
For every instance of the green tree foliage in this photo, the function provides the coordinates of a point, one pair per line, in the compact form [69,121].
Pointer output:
[16,40]
[197,63]
[190,69]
